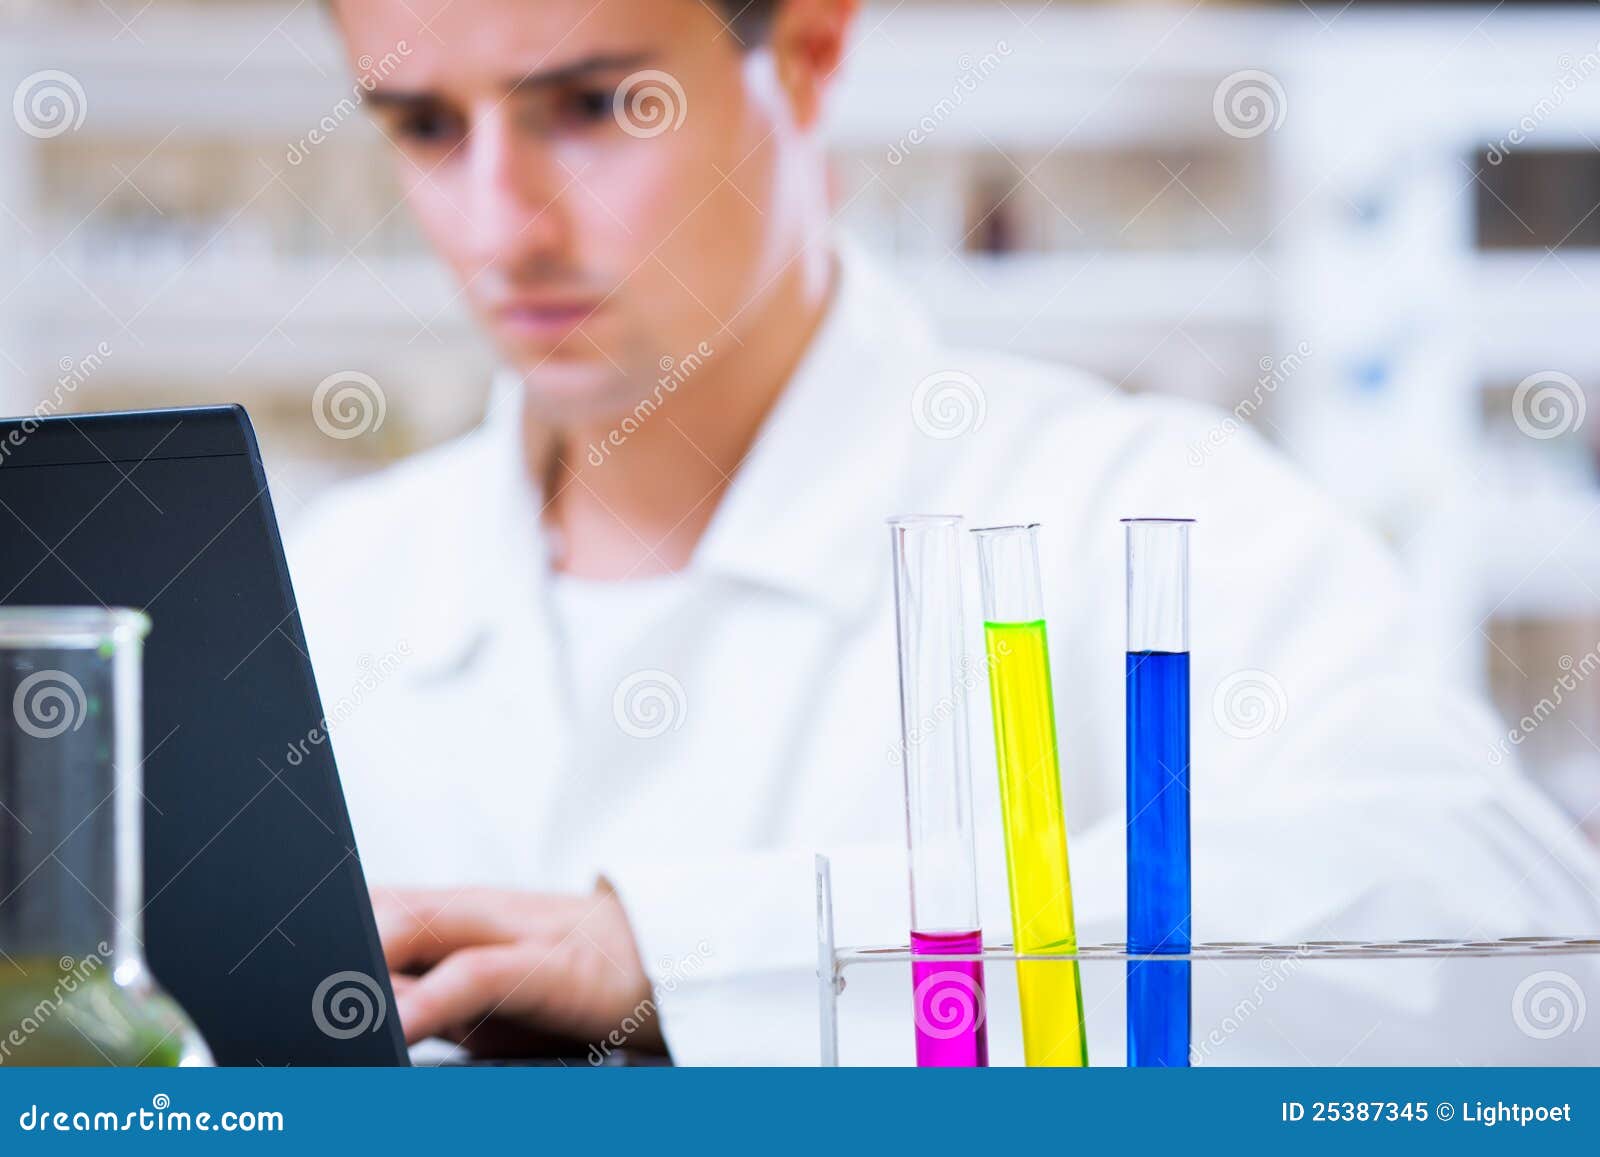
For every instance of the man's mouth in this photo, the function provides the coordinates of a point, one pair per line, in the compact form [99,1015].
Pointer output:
[544,320]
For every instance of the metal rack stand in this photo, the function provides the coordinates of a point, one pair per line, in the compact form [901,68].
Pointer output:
[832,960]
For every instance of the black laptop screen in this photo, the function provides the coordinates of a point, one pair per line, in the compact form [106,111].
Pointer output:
[253,890]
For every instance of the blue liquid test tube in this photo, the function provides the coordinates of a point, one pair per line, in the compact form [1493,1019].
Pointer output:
[1159,992]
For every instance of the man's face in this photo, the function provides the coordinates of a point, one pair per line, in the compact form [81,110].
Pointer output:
[593,241]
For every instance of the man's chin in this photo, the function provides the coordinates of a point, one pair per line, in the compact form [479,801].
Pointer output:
[572,394]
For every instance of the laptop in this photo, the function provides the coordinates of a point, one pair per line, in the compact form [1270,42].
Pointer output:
[258,919]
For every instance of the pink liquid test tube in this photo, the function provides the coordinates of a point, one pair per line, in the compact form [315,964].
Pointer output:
[949,1002]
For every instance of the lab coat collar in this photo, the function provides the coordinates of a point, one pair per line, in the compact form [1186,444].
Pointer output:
[803,515]
[484,555]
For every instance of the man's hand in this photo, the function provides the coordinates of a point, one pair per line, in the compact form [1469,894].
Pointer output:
[467,964]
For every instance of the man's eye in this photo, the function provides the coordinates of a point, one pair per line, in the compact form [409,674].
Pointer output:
[427,127]
[587,106]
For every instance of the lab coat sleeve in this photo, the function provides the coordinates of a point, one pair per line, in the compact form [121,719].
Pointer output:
[730,944]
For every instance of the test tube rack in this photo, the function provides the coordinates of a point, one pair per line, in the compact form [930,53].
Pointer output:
[832,960]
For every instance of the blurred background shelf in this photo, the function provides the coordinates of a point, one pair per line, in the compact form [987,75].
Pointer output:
[391,295]
[983,291]
[1413,236]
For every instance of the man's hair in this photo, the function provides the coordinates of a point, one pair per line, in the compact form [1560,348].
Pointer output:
[750,20]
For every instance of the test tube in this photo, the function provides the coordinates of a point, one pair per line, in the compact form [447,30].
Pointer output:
[948,997]
[1159,1004]
[1018,654]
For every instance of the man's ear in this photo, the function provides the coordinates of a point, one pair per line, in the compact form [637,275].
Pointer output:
[807,40]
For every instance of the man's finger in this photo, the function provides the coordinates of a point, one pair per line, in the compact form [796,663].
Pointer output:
[470,985]
[419,929]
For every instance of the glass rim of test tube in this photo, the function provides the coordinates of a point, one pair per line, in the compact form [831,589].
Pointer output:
[1008,528]
[1157,582]
[1011,588]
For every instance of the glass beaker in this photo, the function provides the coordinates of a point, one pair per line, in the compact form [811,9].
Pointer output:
[74,989]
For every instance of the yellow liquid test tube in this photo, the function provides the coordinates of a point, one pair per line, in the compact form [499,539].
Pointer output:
[1018,656]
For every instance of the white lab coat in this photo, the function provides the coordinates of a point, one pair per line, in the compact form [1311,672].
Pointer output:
[1369,808]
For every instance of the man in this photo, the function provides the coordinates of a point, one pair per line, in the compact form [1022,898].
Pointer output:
[642,618]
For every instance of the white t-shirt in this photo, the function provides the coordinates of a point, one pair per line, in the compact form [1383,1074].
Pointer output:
[609,643]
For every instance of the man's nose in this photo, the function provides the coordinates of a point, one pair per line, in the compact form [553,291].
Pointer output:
[514,205]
